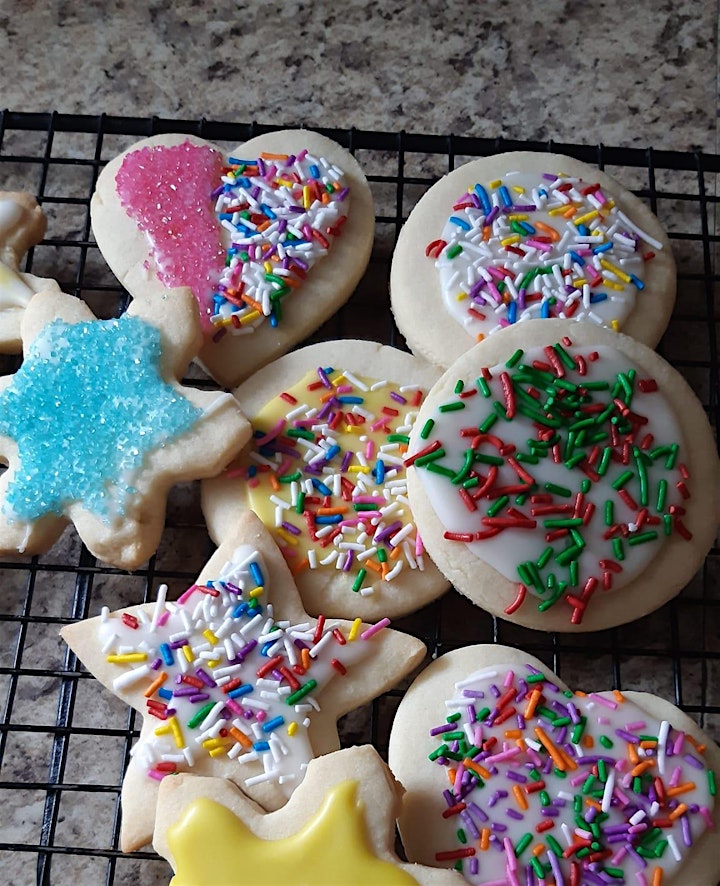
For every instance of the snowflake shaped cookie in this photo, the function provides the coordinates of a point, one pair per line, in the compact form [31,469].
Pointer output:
[338,827]
[234,679]
[96,427]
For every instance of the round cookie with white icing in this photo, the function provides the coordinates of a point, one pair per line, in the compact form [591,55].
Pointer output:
[324,471]
[234,679]
[95,427]
[564,477]
[22,225]
[338,827]
[272,239]
[514,779]
[526,235]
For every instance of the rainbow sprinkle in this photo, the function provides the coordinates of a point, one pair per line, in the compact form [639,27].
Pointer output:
[539,245]
[326,475]
[552,786]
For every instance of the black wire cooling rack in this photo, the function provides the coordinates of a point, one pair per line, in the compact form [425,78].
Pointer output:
[64,744]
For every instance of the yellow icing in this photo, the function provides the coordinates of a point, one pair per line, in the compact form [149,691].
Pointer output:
[212,847]
[352,437]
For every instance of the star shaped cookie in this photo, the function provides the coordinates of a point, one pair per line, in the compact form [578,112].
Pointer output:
[22,225]
[95,427]
[338,827]
[234,679]
[272,238]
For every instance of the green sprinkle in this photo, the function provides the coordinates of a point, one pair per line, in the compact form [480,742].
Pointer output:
[585,486]
[488,459]
[488,422]
[382,555]
[427,429]
[622,480]
[304,690]
[359,579]
[641,538]
[522,844]
[618,549]
[604,461]
[289,478]
[573,573]
[453,718]
[431,456]
[459,385]
[200,715]
[482,714]
[300,504]
[563,523]
[642,475]
[609,512]
[537,866]
[662,495]
[543,559]
[667,524]
[462,837]
[454,406]
[712,786]
[439,469]
[398,438]
[484,386]
[454,250]
[568,555]
[672,457]
[535,678]
[606,742]
[554,845]
[564,356]
[465,469]
[498,505]
[300,432]
[558,490]
[526,458]
[515,359]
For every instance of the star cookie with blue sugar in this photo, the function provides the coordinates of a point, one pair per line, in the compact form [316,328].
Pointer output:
[272,238]
[96,427]
[338,827]
[512,778]
[234,679]
[22,226]
[525,235]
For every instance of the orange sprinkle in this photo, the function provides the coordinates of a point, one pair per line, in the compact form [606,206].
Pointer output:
[642,767]
[588,741]
[487,231]
[551,232]
[267,156]
[678,811]
[395,553]
[680,789]
[240,737]
[591,801]
[513,733]
[619,697]
[648,744]
[700,748]
[657,877]
[156,684]
[274,482]
[485,839]
[305,658]
[520,798]
[535,696]
[451,775]
[476,768]
[538,849]
[562,761]
[251,301]
[342,509]
[479,337]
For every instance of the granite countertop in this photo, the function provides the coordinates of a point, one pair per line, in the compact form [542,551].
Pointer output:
[627,75]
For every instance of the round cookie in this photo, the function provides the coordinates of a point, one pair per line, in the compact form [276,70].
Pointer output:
[234,679]
[564,476]
[22,225]
[325,473]
[272,239]
[514,778]
[338,827]
[526,235]
[95,427]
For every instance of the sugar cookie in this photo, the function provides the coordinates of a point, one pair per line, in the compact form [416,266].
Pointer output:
[96,427]
[272,239]
[325,472]
[235,679]
[525,235]
[337,828]
[565,476]
[514,779]
[22,225]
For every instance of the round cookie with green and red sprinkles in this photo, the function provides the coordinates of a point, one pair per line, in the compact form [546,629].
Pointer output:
[564,477]
[515,780]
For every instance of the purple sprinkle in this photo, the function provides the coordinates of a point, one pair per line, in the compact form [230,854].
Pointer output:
[397,397]
[685,825]
[342,194]
[247,649]
[693,761]
[288,527]
[477,811]
[184,691]
[514,814]
[473,693]
[155,663]
[494,690]
[499,827]
[549,812]
[470,824]
[492,215]
[198,696]
[348,561]
[205,677]
[177,644]
[628,736]
[322,375]
[516,776]
[438,730]
[347,458]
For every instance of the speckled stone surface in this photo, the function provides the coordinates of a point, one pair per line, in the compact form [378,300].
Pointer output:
[638,73]
[630,74]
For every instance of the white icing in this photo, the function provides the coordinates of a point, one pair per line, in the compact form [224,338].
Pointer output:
[285,759]
[10,214]
[513,546]
[458,275]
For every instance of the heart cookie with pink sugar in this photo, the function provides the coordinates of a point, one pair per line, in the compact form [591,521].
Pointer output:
[272,239]
[514,779]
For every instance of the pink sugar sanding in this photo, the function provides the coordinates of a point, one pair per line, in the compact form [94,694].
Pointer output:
[167,190]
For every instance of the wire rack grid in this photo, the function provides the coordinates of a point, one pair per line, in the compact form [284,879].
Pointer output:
[64,744]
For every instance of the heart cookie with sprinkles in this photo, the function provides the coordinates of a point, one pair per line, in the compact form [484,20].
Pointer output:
[96,427]
[338,827]
[564,476]
[22,225]
[513,779]
[272,239]
[525,235]
[234,679]
[324,470]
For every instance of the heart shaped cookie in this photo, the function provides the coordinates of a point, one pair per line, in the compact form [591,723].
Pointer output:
[271,239]
[514,779]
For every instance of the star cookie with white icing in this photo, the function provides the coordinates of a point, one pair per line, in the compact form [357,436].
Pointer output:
[22,225]
[96,427]
[272,238]
[338,827]
[234,679]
